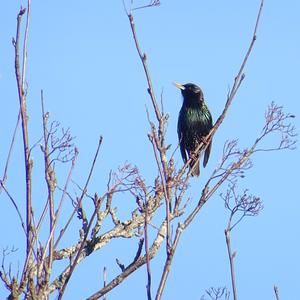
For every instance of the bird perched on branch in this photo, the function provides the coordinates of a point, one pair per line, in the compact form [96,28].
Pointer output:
[194,123]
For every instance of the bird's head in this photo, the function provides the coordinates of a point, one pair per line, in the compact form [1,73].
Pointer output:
[190,91]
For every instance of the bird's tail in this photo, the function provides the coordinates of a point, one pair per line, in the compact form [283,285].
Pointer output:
[195,167]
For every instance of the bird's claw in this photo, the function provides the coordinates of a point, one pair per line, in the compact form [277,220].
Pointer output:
[204,140]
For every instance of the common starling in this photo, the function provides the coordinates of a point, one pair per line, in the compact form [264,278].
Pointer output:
[194,123]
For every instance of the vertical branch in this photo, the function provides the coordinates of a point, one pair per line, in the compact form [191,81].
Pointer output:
[22,100]
[276,291]
[25,46]
[157,139]
[104,280]
[49,177]
[50,241]
[168,262]
[164,183]
[147,250]
[231,257]
[243,205]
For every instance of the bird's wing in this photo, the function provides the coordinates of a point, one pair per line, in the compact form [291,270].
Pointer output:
[180,130]
[206,154]
[208,148]
[182,147]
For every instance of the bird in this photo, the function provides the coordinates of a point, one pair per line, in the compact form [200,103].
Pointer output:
[194,124]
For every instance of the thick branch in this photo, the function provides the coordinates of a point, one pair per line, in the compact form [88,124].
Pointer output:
[135,265]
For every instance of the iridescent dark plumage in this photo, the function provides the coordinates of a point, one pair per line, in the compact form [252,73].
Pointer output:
[194,123]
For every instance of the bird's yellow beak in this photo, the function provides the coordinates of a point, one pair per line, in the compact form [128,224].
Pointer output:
[179,85]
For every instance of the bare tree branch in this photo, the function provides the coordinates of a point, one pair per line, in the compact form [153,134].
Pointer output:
[160,237]
[4,176]
[22,100]
[84,191]
[15,206]
[276,291]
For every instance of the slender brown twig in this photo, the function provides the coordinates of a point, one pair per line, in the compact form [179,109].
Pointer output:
[164,184]
[83,243]
[157,139]
[4,176]
[151,4]
[15,205]
[84,191]
[49,178]
[104,280]
[143,58]
[28,161]
[167,265]
[56,215]
[276,291]
[148,287]
[22,100]
[231,258]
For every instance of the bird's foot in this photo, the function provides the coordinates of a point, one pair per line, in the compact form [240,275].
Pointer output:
[204,140]
[193,155]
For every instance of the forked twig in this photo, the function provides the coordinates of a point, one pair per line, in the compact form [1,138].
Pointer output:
[276,291]
[83,242]
[84,191]
[157,139]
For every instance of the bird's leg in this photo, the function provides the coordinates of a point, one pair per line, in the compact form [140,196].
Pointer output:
[204,140]
[193,155]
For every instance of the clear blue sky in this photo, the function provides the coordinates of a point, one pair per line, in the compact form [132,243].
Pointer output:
[83,56]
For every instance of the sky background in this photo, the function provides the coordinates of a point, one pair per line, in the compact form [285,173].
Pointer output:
[83,56]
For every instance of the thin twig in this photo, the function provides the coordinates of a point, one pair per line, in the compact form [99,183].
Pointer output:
[276,291]
[151,4]
[143,58]
[28,162]
[84,191]
[157,140]
[104,280]
[57,212]
[4,177]
[147,251]
[74,263]
[15,206]
[50,180]
[231,258]
[164,184]
[167,265]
